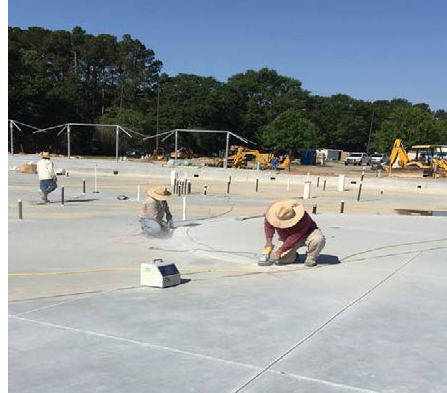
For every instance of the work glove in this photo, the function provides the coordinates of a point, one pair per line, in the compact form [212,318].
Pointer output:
[170,224]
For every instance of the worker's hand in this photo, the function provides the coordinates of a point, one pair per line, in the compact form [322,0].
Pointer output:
[170,224]
[275,255]
[268,243]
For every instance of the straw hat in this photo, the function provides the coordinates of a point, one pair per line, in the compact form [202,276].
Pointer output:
[45,154]
[284,214]
[159,193]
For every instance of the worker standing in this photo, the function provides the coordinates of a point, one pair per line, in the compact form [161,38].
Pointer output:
[154,209]
[295,229]
[47,176]
[274,163]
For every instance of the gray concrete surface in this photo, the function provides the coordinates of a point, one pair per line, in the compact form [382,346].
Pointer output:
[79,321]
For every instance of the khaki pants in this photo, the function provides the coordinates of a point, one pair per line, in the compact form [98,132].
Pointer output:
[314,242]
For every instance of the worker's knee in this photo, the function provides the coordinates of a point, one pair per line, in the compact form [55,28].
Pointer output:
[316,239]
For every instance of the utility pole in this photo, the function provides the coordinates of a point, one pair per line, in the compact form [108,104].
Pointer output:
[158,114]
[370,131]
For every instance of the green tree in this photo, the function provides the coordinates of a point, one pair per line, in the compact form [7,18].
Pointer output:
[291,132]
[414,125]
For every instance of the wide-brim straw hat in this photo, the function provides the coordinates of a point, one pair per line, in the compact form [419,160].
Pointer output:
[159,193]
[284,214]
[45,154]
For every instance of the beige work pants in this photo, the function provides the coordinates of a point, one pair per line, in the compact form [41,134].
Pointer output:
[314,242]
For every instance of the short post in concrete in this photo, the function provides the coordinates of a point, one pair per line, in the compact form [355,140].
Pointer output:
[257,185]
[306,190]
[379,171]
[184,186]
[314,209]
[62,196]
[184,208]
[205,189]
[228,187]
[19,202]
[138,193]
[360,191]
[381,192]
[342,206]
[66,174]
[179,189]
[363,175]
[83,186]
[189,187]
[288,183]
[341,182]
[318,182]
[173,177]
[174,186]
[324,185]
[229,179]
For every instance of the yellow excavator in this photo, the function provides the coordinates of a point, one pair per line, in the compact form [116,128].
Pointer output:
[422,165]
[240,158]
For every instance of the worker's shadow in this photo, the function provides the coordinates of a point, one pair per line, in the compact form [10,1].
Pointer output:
[323,259]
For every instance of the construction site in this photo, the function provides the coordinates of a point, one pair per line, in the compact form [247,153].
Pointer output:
[81,304]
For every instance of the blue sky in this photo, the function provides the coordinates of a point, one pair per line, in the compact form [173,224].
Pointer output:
[369,49]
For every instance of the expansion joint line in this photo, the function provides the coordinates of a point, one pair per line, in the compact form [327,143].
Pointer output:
[310,335]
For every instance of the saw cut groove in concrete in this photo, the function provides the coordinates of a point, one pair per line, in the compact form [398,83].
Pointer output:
[325,324]
[136,342]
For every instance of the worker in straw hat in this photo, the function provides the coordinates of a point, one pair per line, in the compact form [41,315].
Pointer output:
[154,209]
[295,229]
[47,176]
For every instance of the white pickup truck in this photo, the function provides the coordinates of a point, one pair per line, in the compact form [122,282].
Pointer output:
[358,159]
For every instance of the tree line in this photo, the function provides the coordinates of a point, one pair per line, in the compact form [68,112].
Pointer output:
[56,77]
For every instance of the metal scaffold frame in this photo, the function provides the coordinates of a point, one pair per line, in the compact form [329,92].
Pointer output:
[177,130]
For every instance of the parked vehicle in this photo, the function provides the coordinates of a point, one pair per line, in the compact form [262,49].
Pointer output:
[378,160]
[137,153]
[358,159]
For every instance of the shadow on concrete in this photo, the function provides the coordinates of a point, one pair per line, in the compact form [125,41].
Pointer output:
[184,281]
[81,200]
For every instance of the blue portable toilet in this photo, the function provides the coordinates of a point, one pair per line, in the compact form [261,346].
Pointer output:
[308,157]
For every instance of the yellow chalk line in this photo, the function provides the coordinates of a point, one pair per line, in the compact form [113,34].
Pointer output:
[126,269]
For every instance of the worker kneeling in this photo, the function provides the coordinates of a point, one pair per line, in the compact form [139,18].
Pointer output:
[295,229]
[153,211]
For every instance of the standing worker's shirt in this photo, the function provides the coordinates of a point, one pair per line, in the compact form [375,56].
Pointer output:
[45,170]
[292,235]
[155,210]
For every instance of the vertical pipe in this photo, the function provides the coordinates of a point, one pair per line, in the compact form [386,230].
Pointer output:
[117,138]
[83,186]
[179,189]
[314,209]
[189,187]
[205,189]
[229,179]
[174,186]
[288,183]
[360,191]
[257,184]
[324,185]
[11,131]
[226,150]
[176,146]
[68,140]
[184,208]
[318,182]
[62,196]
[228,187]
[19,202]
[96,181]
[138,193]
[342,206]
[363,175]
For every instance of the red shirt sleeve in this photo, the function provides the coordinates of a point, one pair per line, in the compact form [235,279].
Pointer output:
[298,231]
[268,229]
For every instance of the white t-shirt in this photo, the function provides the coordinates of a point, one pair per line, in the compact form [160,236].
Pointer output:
[45,169]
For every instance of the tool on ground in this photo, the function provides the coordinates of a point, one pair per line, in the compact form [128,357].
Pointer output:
[264,260]
[159,274]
